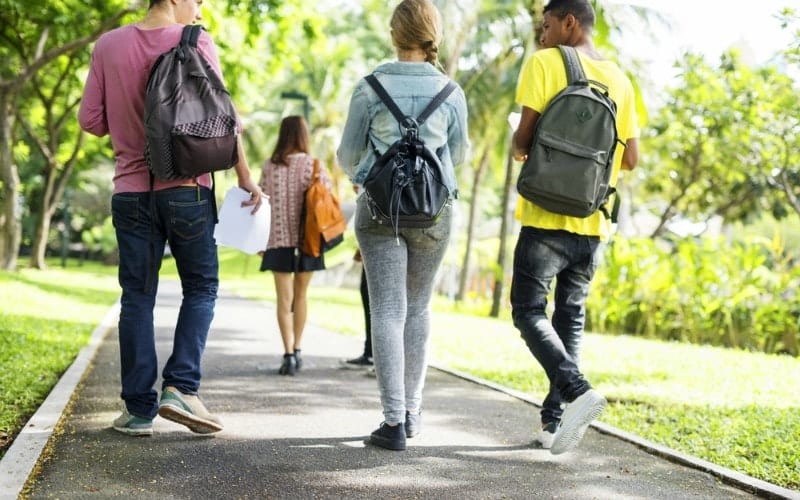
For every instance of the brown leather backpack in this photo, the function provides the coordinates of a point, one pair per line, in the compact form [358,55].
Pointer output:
[323,223]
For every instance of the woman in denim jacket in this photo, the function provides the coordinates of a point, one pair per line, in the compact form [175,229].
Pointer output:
[400,272]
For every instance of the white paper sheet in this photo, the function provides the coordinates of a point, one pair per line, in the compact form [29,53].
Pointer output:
[240,229]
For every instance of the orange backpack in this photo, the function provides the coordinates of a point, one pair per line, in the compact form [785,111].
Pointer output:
[323,224]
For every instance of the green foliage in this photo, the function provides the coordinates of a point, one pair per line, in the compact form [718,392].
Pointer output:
[724,144]
[735,294]
[47,318]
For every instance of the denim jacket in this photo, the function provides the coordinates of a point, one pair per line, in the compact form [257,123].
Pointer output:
[412,86]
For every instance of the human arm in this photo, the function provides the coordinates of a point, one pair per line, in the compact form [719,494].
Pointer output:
[92,111]
[245,181]
[355,133]
[631,155]
[458,134]
[630,129]
[325,176]
[523,136]
[208,49]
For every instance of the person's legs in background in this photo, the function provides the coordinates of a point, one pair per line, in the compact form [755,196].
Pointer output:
[365,359]
[284,291]
[299,313]
[364,289]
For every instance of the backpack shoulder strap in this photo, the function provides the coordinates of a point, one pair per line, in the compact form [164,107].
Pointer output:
[373,82]
[315,173]
[572,63]
[191,33]
[437,101]
[443,94]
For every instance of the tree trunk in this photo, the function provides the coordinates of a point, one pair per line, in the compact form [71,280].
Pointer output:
[39,246]
[11,234]
[11,230]
[497,296]
[473,207]
[43,218]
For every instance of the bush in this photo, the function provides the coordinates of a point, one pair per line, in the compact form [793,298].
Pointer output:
[705,291]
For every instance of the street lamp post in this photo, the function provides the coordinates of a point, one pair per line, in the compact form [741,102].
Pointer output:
[293,94]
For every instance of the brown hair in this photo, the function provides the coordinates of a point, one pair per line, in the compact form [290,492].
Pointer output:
[292,138]
[417,24]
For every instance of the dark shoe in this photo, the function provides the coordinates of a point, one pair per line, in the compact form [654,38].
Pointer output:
[413,424]
[289,365]
[297,359]
[358,363]
[389,437]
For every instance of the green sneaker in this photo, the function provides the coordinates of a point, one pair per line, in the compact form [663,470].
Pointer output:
[187,410]
[133,425]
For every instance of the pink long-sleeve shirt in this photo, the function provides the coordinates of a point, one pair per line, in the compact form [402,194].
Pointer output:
[113,97]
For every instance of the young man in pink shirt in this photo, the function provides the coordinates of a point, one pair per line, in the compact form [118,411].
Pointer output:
[113,104]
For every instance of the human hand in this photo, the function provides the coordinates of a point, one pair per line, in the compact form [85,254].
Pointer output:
[256,196]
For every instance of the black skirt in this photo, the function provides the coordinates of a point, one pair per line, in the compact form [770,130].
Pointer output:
[290,260]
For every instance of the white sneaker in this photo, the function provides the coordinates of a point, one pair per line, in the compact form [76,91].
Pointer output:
[576,419]
[547,432]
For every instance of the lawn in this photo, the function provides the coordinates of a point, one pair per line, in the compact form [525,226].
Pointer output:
[47,317]
[725,406]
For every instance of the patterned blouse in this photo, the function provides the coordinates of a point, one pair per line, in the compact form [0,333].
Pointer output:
[286,185]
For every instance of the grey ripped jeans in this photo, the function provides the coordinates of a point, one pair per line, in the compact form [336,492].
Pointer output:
[400,277]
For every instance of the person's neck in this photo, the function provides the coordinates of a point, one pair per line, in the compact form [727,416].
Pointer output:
[587,47]
[415,55]
[157,18]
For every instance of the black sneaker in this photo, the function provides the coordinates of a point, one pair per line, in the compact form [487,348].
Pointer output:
[298,360]
[389,437]
[289,365]
[413,424]
[358,363]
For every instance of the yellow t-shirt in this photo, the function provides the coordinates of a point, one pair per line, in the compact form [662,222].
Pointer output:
[542,77]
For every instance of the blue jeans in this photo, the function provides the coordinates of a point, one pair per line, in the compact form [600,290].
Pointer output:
[571,259]
[184,218]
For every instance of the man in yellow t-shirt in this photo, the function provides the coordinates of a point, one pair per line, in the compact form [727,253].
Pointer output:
[559,247]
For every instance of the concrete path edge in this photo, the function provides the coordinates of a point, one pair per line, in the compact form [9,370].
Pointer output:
[23,455]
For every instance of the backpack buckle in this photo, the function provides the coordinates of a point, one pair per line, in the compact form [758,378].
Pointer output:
[411,127]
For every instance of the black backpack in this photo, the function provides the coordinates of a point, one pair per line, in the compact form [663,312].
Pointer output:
[569,165]
[404,187]
[189,117]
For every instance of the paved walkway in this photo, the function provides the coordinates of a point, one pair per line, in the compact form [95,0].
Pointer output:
[302,436]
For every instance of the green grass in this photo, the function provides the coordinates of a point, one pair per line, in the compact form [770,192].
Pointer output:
[47,317]
[733,408]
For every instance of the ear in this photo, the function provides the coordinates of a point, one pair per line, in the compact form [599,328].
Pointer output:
[571,22]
